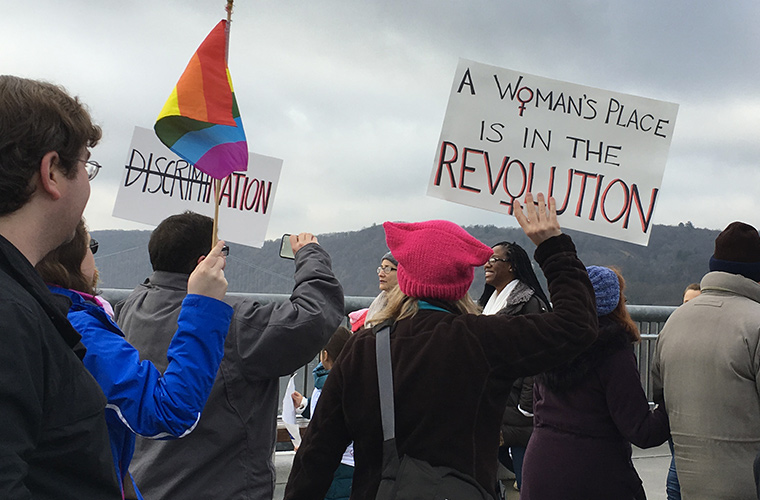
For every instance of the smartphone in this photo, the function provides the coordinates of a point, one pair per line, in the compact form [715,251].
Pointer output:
[286,249]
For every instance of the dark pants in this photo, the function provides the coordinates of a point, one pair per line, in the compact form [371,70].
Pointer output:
[512,457]
[518,454]
[340,489]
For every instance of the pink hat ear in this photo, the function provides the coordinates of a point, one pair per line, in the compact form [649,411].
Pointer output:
[357,318]
[435,258]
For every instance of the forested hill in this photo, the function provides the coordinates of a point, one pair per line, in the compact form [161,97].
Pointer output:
[655,275]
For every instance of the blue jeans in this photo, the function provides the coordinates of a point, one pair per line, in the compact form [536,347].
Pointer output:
[672,487]
[518,454]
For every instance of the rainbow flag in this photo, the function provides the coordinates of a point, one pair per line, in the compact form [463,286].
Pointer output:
[200,122]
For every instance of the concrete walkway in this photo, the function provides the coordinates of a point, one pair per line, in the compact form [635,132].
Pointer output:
[652,465]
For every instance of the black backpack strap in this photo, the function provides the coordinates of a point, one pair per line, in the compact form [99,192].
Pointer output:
[387,410]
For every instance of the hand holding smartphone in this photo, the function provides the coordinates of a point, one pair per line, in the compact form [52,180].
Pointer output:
[286,249]
[292,244]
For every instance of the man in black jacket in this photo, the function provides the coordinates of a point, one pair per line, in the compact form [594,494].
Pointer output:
[53,438]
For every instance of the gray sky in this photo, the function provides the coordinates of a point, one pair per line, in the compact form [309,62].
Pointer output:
[352,94]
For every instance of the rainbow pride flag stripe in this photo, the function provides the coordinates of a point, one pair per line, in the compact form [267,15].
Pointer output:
[200,121]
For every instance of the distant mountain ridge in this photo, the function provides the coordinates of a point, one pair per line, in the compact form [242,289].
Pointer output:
[655,275]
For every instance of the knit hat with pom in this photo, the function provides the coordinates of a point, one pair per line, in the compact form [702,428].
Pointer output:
[606,288]
[436,259]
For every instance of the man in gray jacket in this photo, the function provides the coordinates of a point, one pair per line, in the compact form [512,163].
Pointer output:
[229,454]
[707,371]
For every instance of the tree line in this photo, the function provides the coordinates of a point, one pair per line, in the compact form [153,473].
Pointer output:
[655,274]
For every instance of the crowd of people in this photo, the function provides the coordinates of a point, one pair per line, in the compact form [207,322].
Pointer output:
[173,393]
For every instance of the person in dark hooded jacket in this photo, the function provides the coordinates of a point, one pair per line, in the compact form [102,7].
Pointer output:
[588,411]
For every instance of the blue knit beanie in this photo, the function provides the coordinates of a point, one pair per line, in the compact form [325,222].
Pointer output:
[606,288]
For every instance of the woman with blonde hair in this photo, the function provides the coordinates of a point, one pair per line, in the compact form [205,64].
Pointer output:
[451,367]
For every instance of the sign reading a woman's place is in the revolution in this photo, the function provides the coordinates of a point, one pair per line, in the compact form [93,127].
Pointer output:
[156,183]
[601,154]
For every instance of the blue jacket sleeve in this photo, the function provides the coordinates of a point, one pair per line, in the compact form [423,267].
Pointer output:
[148,403]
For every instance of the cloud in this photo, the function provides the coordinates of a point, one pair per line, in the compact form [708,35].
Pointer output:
[352,95]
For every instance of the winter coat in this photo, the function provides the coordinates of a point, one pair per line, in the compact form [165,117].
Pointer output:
[229,454]
[587,413]
[340,489]
[469,361]
[141,400]
[53,436]
[707,369]
[319,373]
[516,426]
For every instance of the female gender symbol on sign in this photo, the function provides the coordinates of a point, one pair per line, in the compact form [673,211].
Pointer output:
[523,102]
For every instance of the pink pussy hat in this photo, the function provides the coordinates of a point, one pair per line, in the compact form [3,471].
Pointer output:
[436,258]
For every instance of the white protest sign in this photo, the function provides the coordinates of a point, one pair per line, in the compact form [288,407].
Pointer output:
[289,413]
[157,183]
[601,154]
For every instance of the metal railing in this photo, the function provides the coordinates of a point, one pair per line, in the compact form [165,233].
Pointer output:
[650,320]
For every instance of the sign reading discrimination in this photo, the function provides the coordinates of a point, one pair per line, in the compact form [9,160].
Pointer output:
[601,154]
[157,183]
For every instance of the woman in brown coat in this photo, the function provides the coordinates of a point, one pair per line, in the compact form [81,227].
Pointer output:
[452,369]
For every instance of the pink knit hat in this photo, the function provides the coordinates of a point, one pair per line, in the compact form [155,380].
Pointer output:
[435,258]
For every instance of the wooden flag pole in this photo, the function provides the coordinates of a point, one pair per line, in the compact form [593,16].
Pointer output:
[218,182]
[217,201]
[228,8]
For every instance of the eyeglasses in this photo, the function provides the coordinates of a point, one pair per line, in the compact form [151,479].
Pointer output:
[385,269]
[494,260]
[93,245]
[92,167]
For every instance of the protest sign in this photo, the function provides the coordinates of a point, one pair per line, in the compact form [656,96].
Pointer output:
[289,413]
[601,154]
[157,183]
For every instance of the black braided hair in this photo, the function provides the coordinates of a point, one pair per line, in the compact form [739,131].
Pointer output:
[522,269]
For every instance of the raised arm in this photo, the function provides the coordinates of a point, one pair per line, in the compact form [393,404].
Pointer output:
[149,403]
[538,221]
[529,344]
[276,339]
